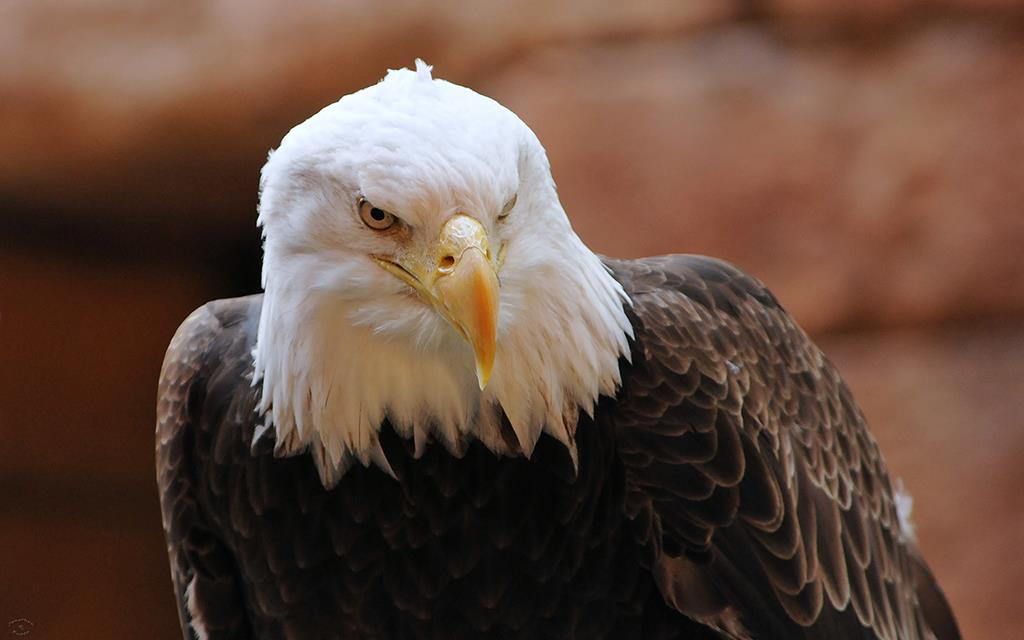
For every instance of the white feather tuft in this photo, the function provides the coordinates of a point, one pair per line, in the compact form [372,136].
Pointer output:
[423,70]
[904,506]
[196,621]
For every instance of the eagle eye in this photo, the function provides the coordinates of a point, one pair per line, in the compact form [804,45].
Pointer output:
[375,217]
[507,209]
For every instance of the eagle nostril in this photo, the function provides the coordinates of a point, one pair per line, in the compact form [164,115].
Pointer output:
[446,263]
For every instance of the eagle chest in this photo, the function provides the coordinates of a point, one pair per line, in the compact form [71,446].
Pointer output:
[479,543]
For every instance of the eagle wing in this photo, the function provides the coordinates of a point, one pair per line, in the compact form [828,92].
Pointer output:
[202,569]
[776,512]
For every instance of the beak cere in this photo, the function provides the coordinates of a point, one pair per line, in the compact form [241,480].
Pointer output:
[460,281]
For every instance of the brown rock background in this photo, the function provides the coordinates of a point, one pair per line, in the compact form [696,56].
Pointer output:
[864,159]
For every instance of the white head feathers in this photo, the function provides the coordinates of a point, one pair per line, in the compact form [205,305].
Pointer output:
[344,345]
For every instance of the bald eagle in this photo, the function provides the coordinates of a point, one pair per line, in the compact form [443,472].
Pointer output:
[446,417]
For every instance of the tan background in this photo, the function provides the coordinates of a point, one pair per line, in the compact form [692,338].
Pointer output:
[864,159]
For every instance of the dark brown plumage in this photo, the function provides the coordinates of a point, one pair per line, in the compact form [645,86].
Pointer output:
[730,489]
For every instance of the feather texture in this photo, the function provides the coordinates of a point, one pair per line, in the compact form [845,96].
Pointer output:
[741,437]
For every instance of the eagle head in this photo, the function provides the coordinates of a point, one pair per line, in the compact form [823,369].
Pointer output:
[420,271]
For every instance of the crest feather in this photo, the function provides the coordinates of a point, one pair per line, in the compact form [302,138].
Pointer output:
[423,70]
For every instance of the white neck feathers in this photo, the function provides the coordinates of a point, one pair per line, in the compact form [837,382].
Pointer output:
[329,381]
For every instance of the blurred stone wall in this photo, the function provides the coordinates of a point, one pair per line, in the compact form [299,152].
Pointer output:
[866,160]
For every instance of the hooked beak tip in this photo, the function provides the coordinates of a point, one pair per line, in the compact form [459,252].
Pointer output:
[483,376]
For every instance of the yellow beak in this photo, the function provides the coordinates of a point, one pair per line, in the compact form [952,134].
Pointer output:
[457,277]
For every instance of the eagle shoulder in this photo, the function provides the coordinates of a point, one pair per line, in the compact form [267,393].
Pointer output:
[210,342]
[775,505]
